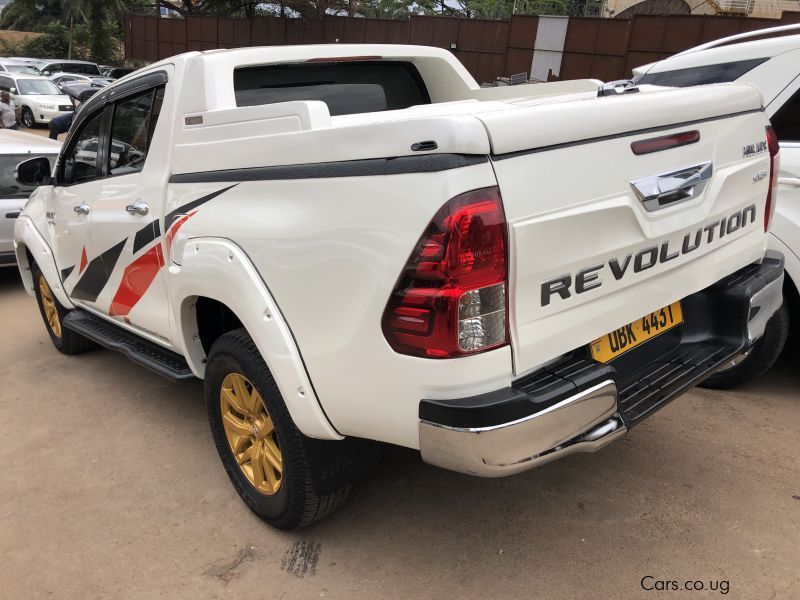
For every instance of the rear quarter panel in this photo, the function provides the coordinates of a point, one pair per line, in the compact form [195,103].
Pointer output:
[331,251]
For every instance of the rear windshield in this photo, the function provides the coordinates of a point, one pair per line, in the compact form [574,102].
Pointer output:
[9,188]
[347,88]
[721,73]
[80,68]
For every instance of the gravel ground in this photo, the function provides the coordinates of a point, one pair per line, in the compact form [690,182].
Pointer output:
[110,487]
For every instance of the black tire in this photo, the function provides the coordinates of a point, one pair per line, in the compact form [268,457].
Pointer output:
[27,118]
[294,504]
[765,352]
[65,340]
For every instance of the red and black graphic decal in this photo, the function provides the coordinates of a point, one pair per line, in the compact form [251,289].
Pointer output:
[84,260]
[67,272]
[136,280]
[145,235]
[138,275]
[97,273]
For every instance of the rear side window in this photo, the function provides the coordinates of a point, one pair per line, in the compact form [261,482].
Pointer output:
[786,121]
[9,188]
[721,73]
[347,88]
[132,129]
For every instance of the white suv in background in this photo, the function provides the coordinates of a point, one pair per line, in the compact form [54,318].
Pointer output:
[773,65]
[38,98]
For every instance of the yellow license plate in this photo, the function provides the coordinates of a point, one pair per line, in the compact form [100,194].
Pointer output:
[619,341]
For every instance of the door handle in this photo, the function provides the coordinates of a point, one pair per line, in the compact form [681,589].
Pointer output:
[795,181]
[138,208]
[82,208]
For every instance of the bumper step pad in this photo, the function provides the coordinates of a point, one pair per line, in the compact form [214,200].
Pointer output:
[662,381]
[139,350]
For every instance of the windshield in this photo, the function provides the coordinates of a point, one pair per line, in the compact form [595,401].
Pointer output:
[37,87]
[22,69]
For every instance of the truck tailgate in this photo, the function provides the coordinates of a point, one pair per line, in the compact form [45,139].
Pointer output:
[589,254]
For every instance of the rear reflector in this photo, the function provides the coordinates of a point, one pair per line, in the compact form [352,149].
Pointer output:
[774,167]
[665,142]
[450,299]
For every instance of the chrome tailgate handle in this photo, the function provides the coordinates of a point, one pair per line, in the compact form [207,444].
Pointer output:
[659,191]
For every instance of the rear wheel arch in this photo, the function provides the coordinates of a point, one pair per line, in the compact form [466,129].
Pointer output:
[205,308]
[205,319]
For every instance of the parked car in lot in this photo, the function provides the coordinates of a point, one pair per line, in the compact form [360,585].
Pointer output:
[15,147]
[62,79]
[115,72]
[773,65]
[351,243]
[37,98]
[51,67]
[17,67]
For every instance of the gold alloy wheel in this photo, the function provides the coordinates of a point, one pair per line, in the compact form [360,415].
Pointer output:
[49,304]
[251,433]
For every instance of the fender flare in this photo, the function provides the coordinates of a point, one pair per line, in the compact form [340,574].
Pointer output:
[219,269]
[26,236]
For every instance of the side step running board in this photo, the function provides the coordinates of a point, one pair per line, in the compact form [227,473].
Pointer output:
[141,351]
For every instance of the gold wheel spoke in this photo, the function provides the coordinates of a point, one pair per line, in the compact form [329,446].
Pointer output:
[244,397]
[231,398]
[236,425]
[272,479]
[240,442]
[272,454]
[244,456]
[257,464]
[268,427]
[256,403]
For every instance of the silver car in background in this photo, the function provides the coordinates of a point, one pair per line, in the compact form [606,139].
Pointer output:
[16,146]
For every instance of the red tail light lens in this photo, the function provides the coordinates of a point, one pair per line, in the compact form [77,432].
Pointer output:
[774,167]
[450,299]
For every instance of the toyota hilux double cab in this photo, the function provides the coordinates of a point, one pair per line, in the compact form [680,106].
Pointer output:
[353,245]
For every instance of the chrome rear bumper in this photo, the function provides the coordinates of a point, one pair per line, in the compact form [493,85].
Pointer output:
[579,405]
[584,422]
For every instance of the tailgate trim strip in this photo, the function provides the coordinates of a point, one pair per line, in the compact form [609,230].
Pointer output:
[614,136]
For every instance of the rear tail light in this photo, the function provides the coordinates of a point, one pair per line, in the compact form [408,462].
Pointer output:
[774,167]
[450,299]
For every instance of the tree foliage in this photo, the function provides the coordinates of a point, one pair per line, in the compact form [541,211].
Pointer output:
[92,29]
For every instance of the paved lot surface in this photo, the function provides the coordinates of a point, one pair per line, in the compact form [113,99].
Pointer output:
[110,487]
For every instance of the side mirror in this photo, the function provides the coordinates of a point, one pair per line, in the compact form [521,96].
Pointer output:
[12,90]
[33,172]
[46,73]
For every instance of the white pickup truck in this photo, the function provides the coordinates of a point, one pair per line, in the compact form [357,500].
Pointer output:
[352,244]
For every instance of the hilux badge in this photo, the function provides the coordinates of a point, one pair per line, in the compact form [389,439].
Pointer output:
[752,149]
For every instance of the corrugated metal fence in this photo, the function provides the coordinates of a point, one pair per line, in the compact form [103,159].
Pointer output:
[564,48]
